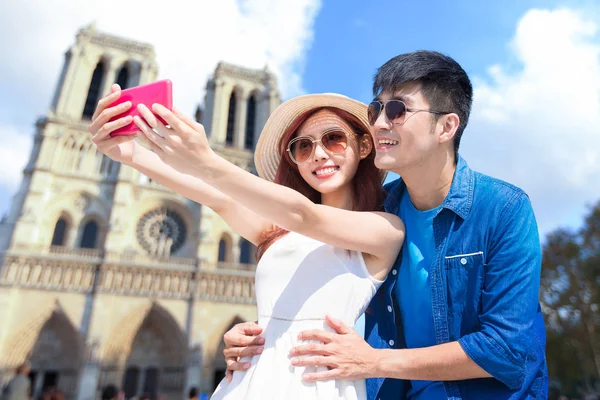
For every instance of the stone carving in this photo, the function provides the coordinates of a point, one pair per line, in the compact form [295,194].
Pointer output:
[251,75]
[161,232]
[81,202]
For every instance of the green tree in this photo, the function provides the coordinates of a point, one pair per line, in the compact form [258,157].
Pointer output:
[570,298]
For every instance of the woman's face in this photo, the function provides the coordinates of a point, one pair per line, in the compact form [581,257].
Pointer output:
[327,170]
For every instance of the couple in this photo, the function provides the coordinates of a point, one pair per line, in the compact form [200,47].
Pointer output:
[454,315]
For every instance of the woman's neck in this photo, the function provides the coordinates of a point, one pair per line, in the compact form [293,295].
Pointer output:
[342,198]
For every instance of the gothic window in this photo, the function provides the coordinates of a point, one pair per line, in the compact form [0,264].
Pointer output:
[225,248]
[94,91]
[123,77]
[90,232]
[222,250]
[60,230]
[230,119]
[246,252]
[161,232]
[250,122]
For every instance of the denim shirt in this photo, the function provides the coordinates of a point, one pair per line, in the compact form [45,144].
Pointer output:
[484,290]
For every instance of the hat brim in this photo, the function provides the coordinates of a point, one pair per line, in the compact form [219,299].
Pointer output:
[267,154]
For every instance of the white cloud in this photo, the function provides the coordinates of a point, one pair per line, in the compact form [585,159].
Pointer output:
[542,121]
[190,38]
[13,157]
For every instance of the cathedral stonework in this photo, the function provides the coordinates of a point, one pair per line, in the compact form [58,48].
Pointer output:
[107,277]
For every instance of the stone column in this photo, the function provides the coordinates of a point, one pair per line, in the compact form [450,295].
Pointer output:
[90,373]
[66,91]
[109,77]
[194,369]
[235,250]
[239,133]
[36,390]
[220,103]
[144,72]
[148,72]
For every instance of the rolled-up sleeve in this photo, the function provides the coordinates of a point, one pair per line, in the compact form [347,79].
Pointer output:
[509,295]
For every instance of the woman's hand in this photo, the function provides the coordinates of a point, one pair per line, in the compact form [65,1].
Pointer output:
[183,145]
[120,148]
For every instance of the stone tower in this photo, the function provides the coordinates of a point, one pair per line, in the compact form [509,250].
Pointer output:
[106,276]
[64,167]
[238,102]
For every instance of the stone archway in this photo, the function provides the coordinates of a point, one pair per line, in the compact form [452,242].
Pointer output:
[147,355]
[218,365]
[55,350]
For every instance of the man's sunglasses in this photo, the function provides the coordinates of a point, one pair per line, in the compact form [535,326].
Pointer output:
[395,111]
[333,141]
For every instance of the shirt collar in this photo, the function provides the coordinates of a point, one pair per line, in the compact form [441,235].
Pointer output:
[458,200]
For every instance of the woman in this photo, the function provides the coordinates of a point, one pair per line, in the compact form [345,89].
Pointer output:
[323,245]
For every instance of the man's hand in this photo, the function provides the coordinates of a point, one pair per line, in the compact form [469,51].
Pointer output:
[241,341]
[345,353]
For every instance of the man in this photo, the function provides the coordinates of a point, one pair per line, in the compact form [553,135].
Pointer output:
[458,316]
[193,394]
[19,387]
[110,392]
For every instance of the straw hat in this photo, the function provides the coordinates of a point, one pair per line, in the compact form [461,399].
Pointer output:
[267,156]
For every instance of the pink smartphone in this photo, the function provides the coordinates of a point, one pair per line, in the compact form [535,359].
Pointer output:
[156,92]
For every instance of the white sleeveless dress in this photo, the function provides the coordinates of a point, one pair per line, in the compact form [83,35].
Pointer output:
[298,281]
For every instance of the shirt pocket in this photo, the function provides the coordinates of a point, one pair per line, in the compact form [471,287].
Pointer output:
[464,278]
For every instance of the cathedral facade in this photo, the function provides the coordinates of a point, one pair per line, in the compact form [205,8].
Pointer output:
[107,277]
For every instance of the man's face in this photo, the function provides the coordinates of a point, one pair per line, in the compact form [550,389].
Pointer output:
[402,147]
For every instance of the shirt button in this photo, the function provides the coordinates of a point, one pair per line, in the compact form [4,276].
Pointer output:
[391,343]
[390,308]
[394,272]
[463,261]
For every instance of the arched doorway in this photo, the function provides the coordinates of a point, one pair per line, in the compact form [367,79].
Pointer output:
[218,365]
[54,349]
[150,356]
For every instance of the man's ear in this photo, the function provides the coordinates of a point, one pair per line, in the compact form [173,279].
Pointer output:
[365,143]
[450,123]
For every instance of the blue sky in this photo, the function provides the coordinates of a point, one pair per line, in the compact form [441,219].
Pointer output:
[360,38]
[535,66]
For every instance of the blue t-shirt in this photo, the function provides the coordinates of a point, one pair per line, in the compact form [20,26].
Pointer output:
[413,290]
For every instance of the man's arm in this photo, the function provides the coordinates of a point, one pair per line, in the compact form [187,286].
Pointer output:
[499,349]
[509,297]
[350,357]
[444,362]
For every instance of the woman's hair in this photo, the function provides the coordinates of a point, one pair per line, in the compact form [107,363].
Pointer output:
[366,181]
